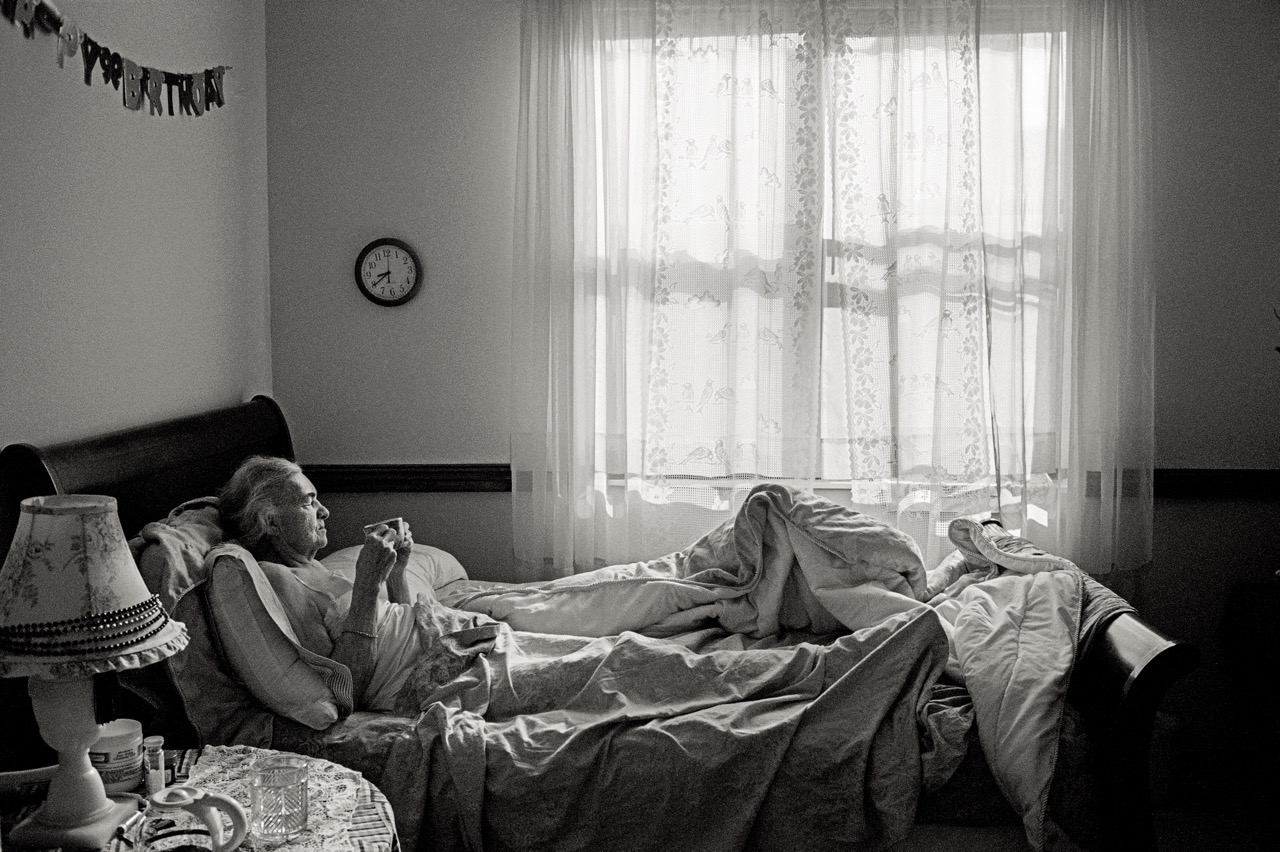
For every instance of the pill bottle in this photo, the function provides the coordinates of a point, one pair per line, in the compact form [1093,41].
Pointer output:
[117,755]
[153,763]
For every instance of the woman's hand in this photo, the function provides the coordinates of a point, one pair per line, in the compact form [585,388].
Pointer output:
[378,557]
[397,587]
[387,548]
[404,547]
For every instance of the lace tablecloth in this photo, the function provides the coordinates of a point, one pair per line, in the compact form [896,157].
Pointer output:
[344,810]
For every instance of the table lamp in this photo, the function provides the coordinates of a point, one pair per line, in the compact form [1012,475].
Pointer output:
[72,605]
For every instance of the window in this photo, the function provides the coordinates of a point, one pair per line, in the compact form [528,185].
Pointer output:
[825,243]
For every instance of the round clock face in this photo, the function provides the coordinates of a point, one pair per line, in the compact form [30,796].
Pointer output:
[388,271]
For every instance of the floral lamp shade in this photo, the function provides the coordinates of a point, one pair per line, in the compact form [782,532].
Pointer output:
[72,602]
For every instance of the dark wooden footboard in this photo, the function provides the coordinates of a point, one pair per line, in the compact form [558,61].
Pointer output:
[1117,687]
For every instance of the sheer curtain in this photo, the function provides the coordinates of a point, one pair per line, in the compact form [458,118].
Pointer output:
[889,250]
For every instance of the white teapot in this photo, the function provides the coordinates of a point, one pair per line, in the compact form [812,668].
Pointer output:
[187,818]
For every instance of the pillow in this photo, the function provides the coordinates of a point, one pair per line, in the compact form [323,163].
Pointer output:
[171,558]
[429,568]
[170,553]
[219,707]
[252,626]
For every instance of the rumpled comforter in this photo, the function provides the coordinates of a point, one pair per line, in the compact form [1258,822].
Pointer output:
[630,742]
[581,721]
[786,560]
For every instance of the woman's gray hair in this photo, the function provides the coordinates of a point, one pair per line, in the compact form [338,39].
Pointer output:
[251,495]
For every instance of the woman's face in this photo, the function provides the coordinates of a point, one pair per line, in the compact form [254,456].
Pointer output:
[297,524]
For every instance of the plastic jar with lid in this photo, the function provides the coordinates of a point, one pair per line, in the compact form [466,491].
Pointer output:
[117,755]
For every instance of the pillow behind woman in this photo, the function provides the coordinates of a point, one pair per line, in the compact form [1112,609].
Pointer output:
[195,699]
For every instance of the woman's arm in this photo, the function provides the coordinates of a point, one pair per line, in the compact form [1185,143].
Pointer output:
[357,645]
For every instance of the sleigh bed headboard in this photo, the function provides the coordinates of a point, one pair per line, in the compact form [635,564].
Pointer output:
[148,469]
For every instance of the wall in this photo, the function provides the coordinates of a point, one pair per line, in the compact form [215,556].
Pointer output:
[1216,101]
[396,119]
[401,121]
[1216,98]
[392,119]
[134,278]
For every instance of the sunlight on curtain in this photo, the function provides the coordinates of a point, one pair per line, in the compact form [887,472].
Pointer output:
[947,233]
[832,244]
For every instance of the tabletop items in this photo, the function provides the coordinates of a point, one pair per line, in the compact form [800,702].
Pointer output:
[278,796]
[343,810]
[153,764]
[117,755]
[182,818]
[211,804]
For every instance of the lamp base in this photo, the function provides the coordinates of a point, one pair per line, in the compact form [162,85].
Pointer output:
[92,833]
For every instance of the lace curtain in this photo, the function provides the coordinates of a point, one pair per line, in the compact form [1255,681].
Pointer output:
[892,251]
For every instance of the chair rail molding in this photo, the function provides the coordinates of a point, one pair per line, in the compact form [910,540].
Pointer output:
[1170,482]
[371,478]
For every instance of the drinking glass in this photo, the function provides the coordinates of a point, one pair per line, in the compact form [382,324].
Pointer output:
[278,797]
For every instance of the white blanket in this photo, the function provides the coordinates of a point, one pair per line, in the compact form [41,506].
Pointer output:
[790,560]
[1015,638]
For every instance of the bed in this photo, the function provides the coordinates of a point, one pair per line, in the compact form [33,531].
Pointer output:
[1097,787]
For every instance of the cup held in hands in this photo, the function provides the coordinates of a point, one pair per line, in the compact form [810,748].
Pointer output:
[396,525]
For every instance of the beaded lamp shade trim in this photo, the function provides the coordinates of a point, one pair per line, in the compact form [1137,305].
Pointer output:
[95,633]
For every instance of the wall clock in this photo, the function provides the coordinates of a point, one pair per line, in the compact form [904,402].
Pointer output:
[388,271]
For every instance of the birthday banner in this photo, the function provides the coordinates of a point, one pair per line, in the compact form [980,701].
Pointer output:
[138,84]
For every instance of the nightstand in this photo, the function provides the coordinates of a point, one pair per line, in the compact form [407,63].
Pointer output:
[346,811]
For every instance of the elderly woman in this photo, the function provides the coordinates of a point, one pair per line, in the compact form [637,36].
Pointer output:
[274,512]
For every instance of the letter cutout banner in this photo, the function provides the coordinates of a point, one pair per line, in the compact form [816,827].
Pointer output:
[198,92]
